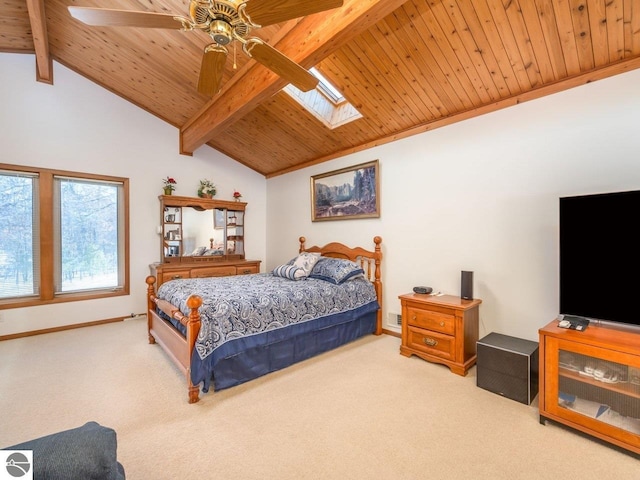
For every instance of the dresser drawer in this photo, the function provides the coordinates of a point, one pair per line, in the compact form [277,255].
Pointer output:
[220,271]
[430,320]
[431,342]
[246,269]
[175,274]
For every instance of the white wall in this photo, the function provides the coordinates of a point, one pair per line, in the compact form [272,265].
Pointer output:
[76,125]
[480,195]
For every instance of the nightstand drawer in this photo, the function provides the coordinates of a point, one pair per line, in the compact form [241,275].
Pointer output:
[430,320]
[431,342]
[213,272]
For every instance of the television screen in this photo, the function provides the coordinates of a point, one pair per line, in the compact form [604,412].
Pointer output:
[600,256]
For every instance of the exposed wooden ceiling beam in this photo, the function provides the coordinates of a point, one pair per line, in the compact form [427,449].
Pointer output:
[315,37]
[38,20]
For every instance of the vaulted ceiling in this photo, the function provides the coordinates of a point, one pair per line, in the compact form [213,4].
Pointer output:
[406,66]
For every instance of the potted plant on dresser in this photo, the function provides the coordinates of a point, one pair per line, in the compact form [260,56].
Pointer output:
[207,189]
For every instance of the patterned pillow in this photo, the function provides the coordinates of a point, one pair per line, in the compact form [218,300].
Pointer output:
[336,270]
[306,261]
[289,271]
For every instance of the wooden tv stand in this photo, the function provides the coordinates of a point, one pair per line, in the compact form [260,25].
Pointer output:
[577,388]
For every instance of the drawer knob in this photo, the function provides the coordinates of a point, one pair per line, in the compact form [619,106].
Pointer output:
[442,324]
[414,317]
[430,341]
[176,277]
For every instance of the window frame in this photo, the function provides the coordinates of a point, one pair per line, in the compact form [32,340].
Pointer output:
[45,202]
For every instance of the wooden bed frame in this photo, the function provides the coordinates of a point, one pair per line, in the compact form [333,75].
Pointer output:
[180,348]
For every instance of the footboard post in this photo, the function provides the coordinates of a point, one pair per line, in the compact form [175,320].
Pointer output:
[193,327]
[151,280]
[378,283]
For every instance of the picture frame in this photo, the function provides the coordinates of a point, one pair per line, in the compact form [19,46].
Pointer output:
[347,193]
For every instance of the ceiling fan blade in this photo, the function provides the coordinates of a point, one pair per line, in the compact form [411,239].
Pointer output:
[211,70]
[124,18]
[268,12]
[280,64]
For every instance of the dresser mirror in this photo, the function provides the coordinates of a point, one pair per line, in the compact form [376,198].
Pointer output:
[201,230]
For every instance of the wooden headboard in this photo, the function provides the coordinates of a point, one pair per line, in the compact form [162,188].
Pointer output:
[369,260]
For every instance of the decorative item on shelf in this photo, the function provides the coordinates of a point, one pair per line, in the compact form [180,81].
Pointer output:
[207,189]
[169,185]
[237,195]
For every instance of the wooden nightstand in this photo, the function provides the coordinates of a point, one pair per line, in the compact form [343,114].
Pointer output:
[441,329]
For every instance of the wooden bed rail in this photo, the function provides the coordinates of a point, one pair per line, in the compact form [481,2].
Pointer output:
[178,347]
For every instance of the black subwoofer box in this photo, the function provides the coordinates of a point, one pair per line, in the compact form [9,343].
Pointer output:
[508,366]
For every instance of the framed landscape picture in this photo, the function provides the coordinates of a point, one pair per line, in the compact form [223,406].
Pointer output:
[352,192]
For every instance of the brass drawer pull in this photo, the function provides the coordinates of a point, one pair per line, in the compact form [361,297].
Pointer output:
[442,324]
[430,341]
[175,277]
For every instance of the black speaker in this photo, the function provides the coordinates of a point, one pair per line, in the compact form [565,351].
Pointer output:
[508,366]
[466,285]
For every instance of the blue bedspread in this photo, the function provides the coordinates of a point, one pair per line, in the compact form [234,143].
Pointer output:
[245,311]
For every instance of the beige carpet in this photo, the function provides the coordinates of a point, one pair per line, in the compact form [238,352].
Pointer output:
[360,412]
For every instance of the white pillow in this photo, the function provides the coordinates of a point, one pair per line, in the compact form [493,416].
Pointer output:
[306,261]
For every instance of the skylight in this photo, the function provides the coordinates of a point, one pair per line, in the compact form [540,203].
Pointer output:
[326,87]
[325,102]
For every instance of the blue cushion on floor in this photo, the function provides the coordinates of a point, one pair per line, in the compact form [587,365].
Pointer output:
[86,452]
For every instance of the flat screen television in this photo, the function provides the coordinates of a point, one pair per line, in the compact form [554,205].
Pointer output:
[600,257]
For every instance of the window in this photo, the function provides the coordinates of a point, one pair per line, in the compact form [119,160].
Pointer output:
[87,235]
[19,252]
[64,236]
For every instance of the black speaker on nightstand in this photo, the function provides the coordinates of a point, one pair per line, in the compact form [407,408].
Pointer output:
[508,366]
[466,285]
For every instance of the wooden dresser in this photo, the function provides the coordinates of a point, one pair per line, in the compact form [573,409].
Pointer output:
[170,271]
[442,329]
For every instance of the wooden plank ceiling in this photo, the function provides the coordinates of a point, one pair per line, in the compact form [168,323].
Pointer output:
[406,66]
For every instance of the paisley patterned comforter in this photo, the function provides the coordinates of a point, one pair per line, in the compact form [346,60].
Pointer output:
[245,306]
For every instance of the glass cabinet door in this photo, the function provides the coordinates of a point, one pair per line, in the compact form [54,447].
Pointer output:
[599,389]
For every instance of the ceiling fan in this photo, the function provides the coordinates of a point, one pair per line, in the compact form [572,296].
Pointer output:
[224,21]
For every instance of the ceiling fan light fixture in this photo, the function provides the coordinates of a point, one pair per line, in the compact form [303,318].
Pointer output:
[221,32]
